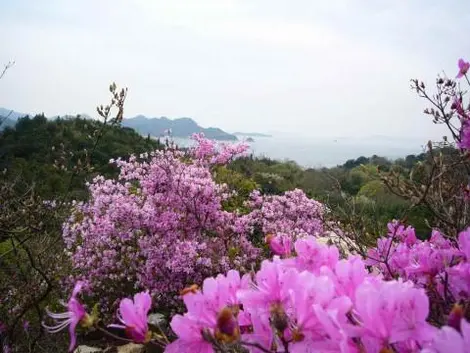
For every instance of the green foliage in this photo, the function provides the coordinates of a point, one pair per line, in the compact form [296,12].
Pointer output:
[272,177]
[354,188]
[35,151]
[372,189]
[237,182]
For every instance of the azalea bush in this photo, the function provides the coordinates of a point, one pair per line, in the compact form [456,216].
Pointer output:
[439,265]
[162,225]
[158,226]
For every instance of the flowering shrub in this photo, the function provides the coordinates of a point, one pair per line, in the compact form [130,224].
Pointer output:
[158,226]
[311,302]
[284,217]
[438,265]
[161,225]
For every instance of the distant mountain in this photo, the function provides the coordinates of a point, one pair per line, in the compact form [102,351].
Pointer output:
[183,127]
[10,114]
[251,134]
[5,122]
[9,117]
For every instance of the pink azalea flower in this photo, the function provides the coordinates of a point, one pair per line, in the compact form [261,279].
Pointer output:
[311,255]
[133,314]
[347,275]
[279,245]
[457,105]
[269,286]
[396,230]
[315,312]
[72,317]
[465,135]
[214,311]
[450,340]
[464,243]
[392,312]
[459,280]
[463,68]
[190,339]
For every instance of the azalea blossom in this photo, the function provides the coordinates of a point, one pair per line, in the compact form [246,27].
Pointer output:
[279,245]
[449,339]
[213,314]
[72,317]
[133,315]
[464,66]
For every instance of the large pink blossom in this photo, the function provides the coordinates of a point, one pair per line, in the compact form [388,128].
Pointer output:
[133,316]
[449,339]
[390,312]
[212,312]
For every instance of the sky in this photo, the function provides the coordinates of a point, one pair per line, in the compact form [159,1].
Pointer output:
[307,67]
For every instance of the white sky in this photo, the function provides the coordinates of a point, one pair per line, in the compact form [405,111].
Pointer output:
[317,68]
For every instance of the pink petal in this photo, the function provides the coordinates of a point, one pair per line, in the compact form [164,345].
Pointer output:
[73,335]
[143,302]
[127,311]
[77,288]
[180,346]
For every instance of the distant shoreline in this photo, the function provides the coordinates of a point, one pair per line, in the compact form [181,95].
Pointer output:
[251,134]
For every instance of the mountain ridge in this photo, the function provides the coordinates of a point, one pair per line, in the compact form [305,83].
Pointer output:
[180,127]
[157,127]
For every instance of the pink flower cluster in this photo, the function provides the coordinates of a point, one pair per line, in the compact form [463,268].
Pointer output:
[284,218]
[462,112]
[439,265]
[209,152]
[161,225]
[313,302]
[133,315]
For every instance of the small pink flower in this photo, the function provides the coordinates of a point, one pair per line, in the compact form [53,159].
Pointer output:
[465,135]
[74,314]
[133,314]
[457,106]
[279,245]
[464,66]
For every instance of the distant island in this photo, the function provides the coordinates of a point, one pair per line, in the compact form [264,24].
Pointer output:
[251,134]
[182,127]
